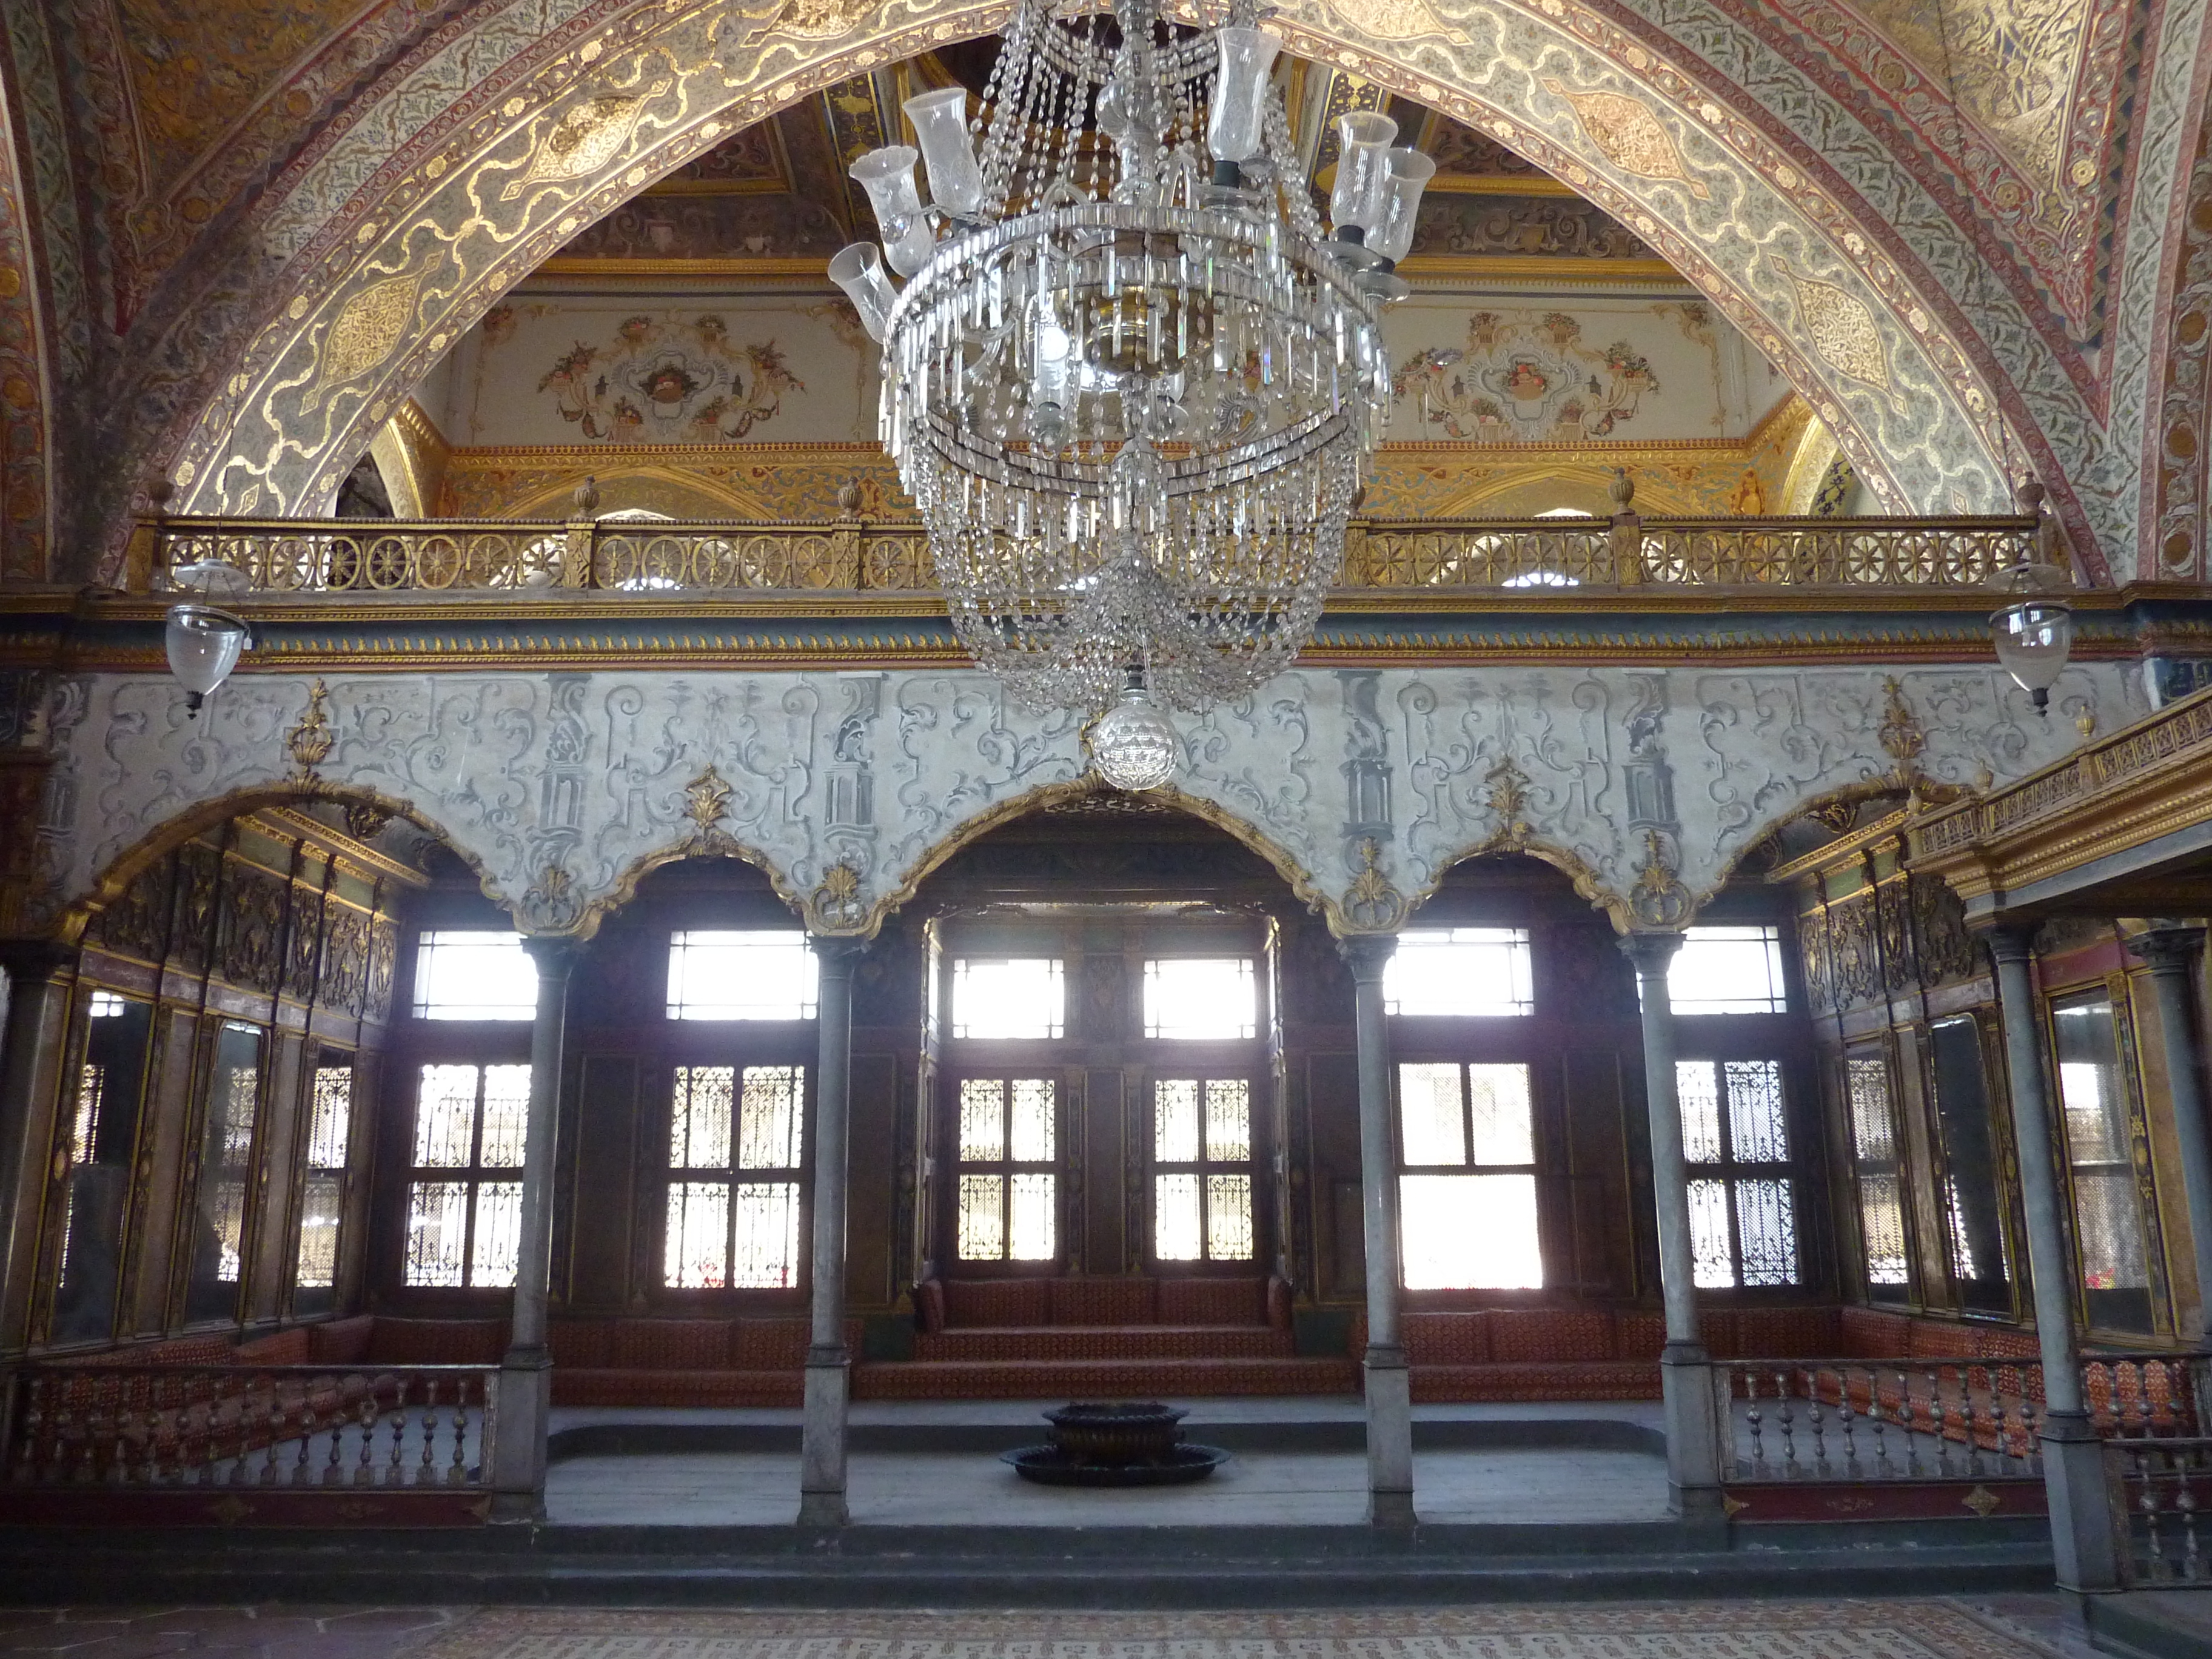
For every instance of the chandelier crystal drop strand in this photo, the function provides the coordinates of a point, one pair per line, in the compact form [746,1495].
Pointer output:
[1130,383]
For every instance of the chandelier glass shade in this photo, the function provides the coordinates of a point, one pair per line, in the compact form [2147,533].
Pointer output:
[1130,383]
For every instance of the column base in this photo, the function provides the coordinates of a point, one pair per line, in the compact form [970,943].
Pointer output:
[2083,1547]
[517,1453]
[1696,1440]
[1393,1510]
[822,1477]
[1390,1438]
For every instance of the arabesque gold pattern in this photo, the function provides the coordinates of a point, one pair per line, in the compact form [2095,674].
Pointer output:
[1629,135]
[446,224]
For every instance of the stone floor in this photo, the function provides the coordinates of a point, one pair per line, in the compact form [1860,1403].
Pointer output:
[937,1489]
[2015,1627]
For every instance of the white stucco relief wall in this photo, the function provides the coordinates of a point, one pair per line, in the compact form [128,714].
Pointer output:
[561,787]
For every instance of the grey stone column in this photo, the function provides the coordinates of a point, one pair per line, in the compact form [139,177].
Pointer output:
[1695,1434]
[2170,950]
[30,1066]
[2081,1536]
[1389,1388]
[525,1376]
[828,1365]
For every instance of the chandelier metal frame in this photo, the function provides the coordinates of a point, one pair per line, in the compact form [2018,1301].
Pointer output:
[1132,385]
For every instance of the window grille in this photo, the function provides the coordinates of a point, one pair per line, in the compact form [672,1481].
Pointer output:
[1743,1194]
[1877,1169]
[735,1143]
[1007,1183]
[465,1192]
[1467,1182]
[322,1197]
[1202,1169]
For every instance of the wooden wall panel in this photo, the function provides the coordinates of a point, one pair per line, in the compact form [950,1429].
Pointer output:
[1106,1242]
[871,1280]
[603,1179]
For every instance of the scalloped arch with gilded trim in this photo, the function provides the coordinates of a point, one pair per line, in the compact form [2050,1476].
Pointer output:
[400,232]
[199,816]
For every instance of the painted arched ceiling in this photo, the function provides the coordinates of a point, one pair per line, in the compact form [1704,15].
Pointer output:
[1911,209]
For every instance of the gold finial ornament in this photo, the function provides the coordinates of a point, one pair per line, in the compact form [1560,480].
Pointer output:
[310,742]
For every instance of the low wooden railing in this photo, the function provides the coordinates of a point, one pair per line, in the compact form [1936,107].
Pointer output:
[1857,1421]
[343,1431]
[2161,1486]
[295,555]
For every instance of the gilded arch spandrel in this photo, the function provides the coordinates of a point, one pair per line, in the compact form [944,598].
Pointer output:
[1762,237]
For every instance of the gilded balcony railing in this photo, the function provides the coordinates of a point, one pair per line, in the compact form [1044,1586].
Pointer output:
[295,555]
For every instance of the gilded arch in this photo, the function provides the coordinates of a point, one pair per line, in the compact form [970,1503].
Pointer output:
[198,816]
[445,228]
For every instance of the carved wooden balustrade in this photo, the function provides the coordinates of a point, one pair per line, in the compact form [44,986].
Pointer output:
[1956,1431]
[295,555]
[2161,1486]
[334,1434]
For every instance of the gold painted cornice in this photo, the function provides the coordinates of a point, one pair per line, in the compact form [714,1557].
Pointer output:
[2115,795]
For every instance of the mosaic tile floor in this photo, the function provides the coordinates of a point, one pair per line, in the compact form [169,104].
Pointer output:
[2017,1627]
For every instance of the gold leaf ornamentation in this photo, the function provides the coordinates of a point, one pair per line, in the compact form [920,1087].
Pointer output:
[310,742]
[1397,20]
[584,140]
[1629,136]
[706,798]
[823,20]
[1842,329]
[1981,1500]
[1902,740]
[1506,787]
[1658,899]
[369,327]
[1371,905]
[836,902]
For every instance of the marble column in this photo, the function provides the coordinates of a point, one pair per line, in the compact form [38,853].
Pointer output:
[1390,1392]
[525,1376]
[30,1067]
[2171,951]
[1694,1408]
[828,1365]
[2082,1534]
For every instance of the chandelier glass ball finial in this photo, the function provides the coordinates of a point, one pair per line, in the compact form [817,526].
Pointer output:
[1134,746]
[1131,382]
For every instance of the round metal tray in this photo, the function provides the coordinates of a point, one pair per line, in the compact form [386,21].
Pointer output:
[1049,1466]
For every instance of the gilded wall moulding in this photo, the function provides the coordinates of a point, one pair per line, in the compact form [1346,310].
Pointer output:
[1932,441]
[561,789]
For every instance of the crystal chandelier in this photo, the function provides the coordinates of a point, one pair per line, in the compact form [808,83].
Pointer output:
[1130,383]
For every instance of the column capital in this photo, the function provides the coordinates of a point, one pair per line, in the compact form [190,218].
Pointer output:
[1367,954]
[556,954]
[2010,941]
[2170,947]
[1650,952]
[838,953]
[27,961]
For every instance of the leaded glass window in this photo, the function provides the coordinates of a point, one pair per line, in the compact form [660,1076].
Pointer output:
[1467,1182]
[1202,1169]
[1456,972]
[2108,1218]
[1020,997]
[465,1196]
[322,1195]
[229,1129]
[1007,1187]
[1973,1183]
[1728,970]
[1877,1171]
[735,1137]
[1743,1194]
[474,975]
